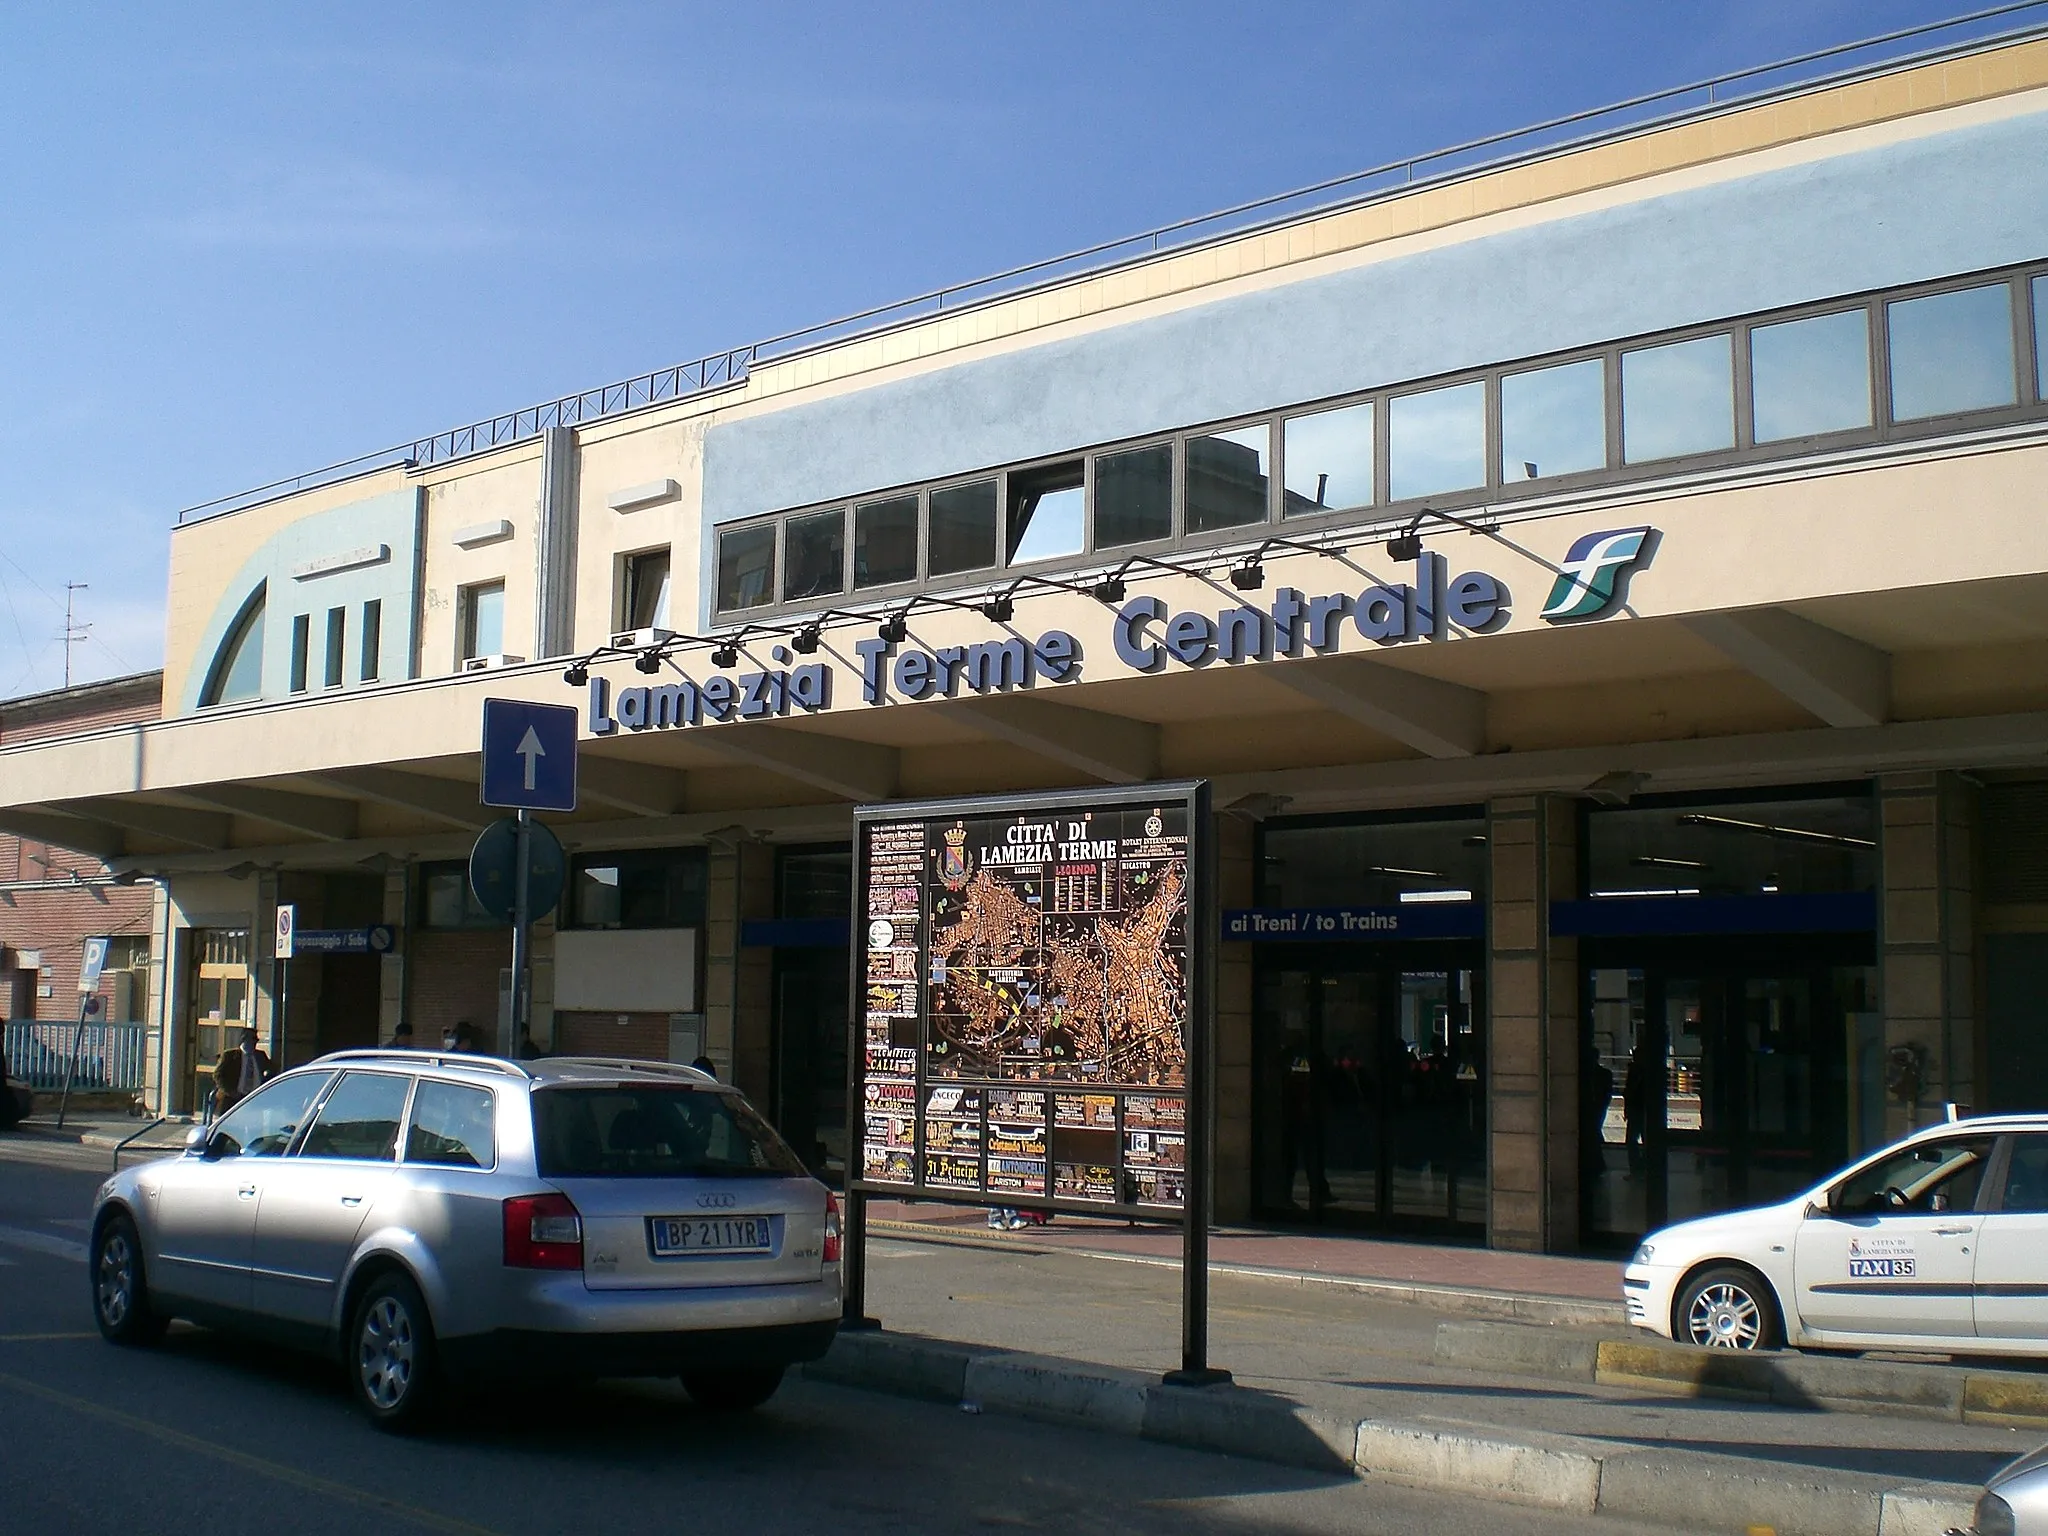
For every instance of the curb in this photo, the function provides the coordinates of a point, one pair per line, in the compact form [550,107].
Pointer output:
[1690,1489]
[1505,1306]
[1891,1388]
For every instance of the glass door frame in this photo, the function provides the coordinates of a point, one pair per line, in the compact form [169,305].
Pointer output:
[1385,963]
[1723,965]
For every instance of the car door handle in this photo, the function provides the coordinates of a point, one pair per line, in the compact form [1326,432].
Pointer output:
[351,1199]
[1951,1231]
[246,1192]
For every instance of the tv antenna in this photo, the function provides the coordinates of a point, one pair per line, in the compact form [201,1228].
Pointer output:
[75,632]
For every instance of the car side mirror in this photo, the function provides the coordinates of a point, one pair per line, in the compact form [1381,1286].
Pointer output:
[196,1140]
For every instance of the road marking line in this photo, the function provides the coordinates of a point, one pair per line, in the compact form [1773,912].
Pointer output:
[42,1242]
[311,1482]
[40,1338]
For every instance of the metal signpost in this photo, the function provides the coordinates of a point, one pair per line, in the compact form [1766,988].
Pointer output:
[1035,1017]
[91,964]
[282,950]
[529,764]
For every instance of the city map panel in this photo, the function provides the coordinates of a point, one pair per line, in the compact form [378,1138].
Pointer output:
[1026,1007]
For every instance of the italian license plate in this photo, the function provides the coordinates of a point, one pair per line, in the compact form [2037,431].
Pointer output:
[674,1237]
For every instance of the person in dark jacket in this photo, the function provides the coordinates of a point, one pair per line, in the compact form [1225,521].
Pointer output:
[241,1070]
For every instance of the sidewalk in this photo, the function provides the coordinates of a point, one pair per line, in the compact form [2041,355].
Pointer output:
[105,1132]
[1332,1377]
[1480,1282]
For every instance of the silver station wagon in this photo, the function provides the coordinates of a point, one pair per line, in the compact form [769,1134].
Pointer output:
[442,1218]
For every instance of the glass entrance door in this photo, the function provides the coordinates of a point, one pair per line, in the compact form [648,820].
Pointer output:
[1370,1081]
[1726,1082]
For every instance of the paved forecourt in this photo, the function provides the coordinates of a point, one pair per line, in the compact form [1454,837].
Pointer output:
[215,1434]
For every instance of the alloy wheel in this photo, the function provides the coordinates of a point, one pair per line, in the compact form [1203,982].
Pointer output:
[1725,1316]
[114,1286]
[385,1351]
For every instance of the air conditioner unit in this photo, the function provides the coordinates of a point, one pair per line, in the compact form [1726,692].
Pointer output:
[490,663]
[640,639]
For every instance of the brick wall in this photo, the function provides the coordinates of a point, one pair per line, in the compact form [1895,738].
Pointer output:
[640,1036]
[88,707]
[453,976]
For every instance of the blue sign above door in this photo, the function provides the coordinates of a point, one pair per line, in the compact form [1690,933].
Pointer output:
[1355,925]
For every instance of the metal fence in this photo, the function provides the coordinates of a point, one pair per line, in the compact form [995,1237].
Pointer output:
[111,1057]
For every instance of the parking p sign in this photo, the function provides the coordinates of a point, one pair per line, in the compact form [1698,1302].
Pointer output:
[94,962]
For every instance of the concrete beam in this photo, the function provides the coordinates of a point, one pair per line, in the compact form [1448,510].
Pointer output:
[853,770]
[166,823]
[1107,747]
[640,788]
[1843,681]
[1436,718]
[440,799]
[332,821]
[98,838]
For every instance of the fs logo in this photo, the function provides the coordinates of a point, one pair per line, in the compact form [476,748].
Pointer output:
[1594,580]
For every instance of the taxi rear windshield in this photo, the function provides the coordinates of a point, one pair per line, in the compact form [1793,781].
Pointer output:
[631,1131]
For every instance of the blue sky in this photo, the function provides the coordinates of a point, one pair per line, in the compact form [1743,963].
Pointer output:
[242,241]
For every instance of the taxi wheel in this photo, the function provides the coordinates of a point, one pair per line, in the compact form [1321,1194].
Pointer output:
[120,1292]
[392,1370]
[1728,1307]
[732,1391]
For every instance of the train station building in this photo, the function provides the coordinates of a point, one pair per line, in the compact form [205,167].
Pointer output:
[1603,577]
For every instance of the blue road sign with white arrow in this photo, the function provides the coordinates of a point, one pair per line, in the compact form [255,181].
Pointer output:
[529,755]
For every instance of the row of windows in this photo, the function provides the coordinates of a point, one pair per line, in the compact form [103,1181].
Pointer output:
[637,888]
[1894,365]
[334,646]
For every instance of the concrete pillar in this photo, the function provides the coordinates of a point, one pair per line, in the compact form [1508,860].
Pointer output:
[1532,1079]
[1236,879]
[391,972]
[1927,933]
[554,546]
[737,1035]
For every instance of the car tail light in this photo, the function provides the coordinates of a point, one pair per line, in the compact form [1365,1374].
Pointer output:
[543,1232]
[831,1227]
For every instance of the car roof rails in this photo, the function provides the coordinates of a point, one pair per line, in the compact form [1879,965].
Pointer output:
[629,1064]
[402,1058]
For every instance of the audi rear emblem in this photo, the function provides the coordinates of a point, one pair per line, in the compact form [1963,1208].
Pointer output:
[717,1202]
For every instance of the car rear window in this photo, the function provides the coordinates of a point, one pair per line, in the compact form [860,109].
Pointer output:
[631,1131]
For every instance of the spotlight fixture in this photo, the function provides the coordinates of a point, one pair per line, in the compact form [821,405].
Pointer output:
[1248,576]
[894,629]
[999,610]
[1110,589]
[577,675]
[807,638]
[1405,546]
[648,660]
[726,656]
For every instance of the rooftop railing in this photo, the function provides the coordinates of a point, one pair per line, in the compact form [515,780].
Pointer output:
[1657,109]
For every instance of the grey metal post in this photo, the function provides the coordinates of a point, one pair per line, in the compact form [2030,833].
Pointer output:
[281,1035]
[1203,925]
[70,1060]
[522,933]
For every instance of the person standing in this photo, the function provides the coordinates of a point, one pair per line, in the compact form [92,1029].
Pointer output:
[241,1070]
[401,1036]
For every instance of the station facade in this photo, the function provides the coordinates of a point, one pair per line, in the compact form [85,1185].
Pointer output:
[1606,588]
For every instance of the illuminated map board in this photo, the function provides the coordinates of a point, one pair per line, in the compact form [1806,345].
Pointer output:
[1024,1000]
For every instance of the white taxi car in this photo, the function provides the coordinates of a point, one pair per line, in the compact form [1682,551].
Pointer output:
[1938,1242]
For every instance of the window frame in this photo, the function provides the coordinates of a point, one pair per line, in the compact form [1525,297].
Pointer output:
[569,918]
[628,585]
[475,918]
[465,619]
[1498,489]
[297,1147]
[412,1104]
